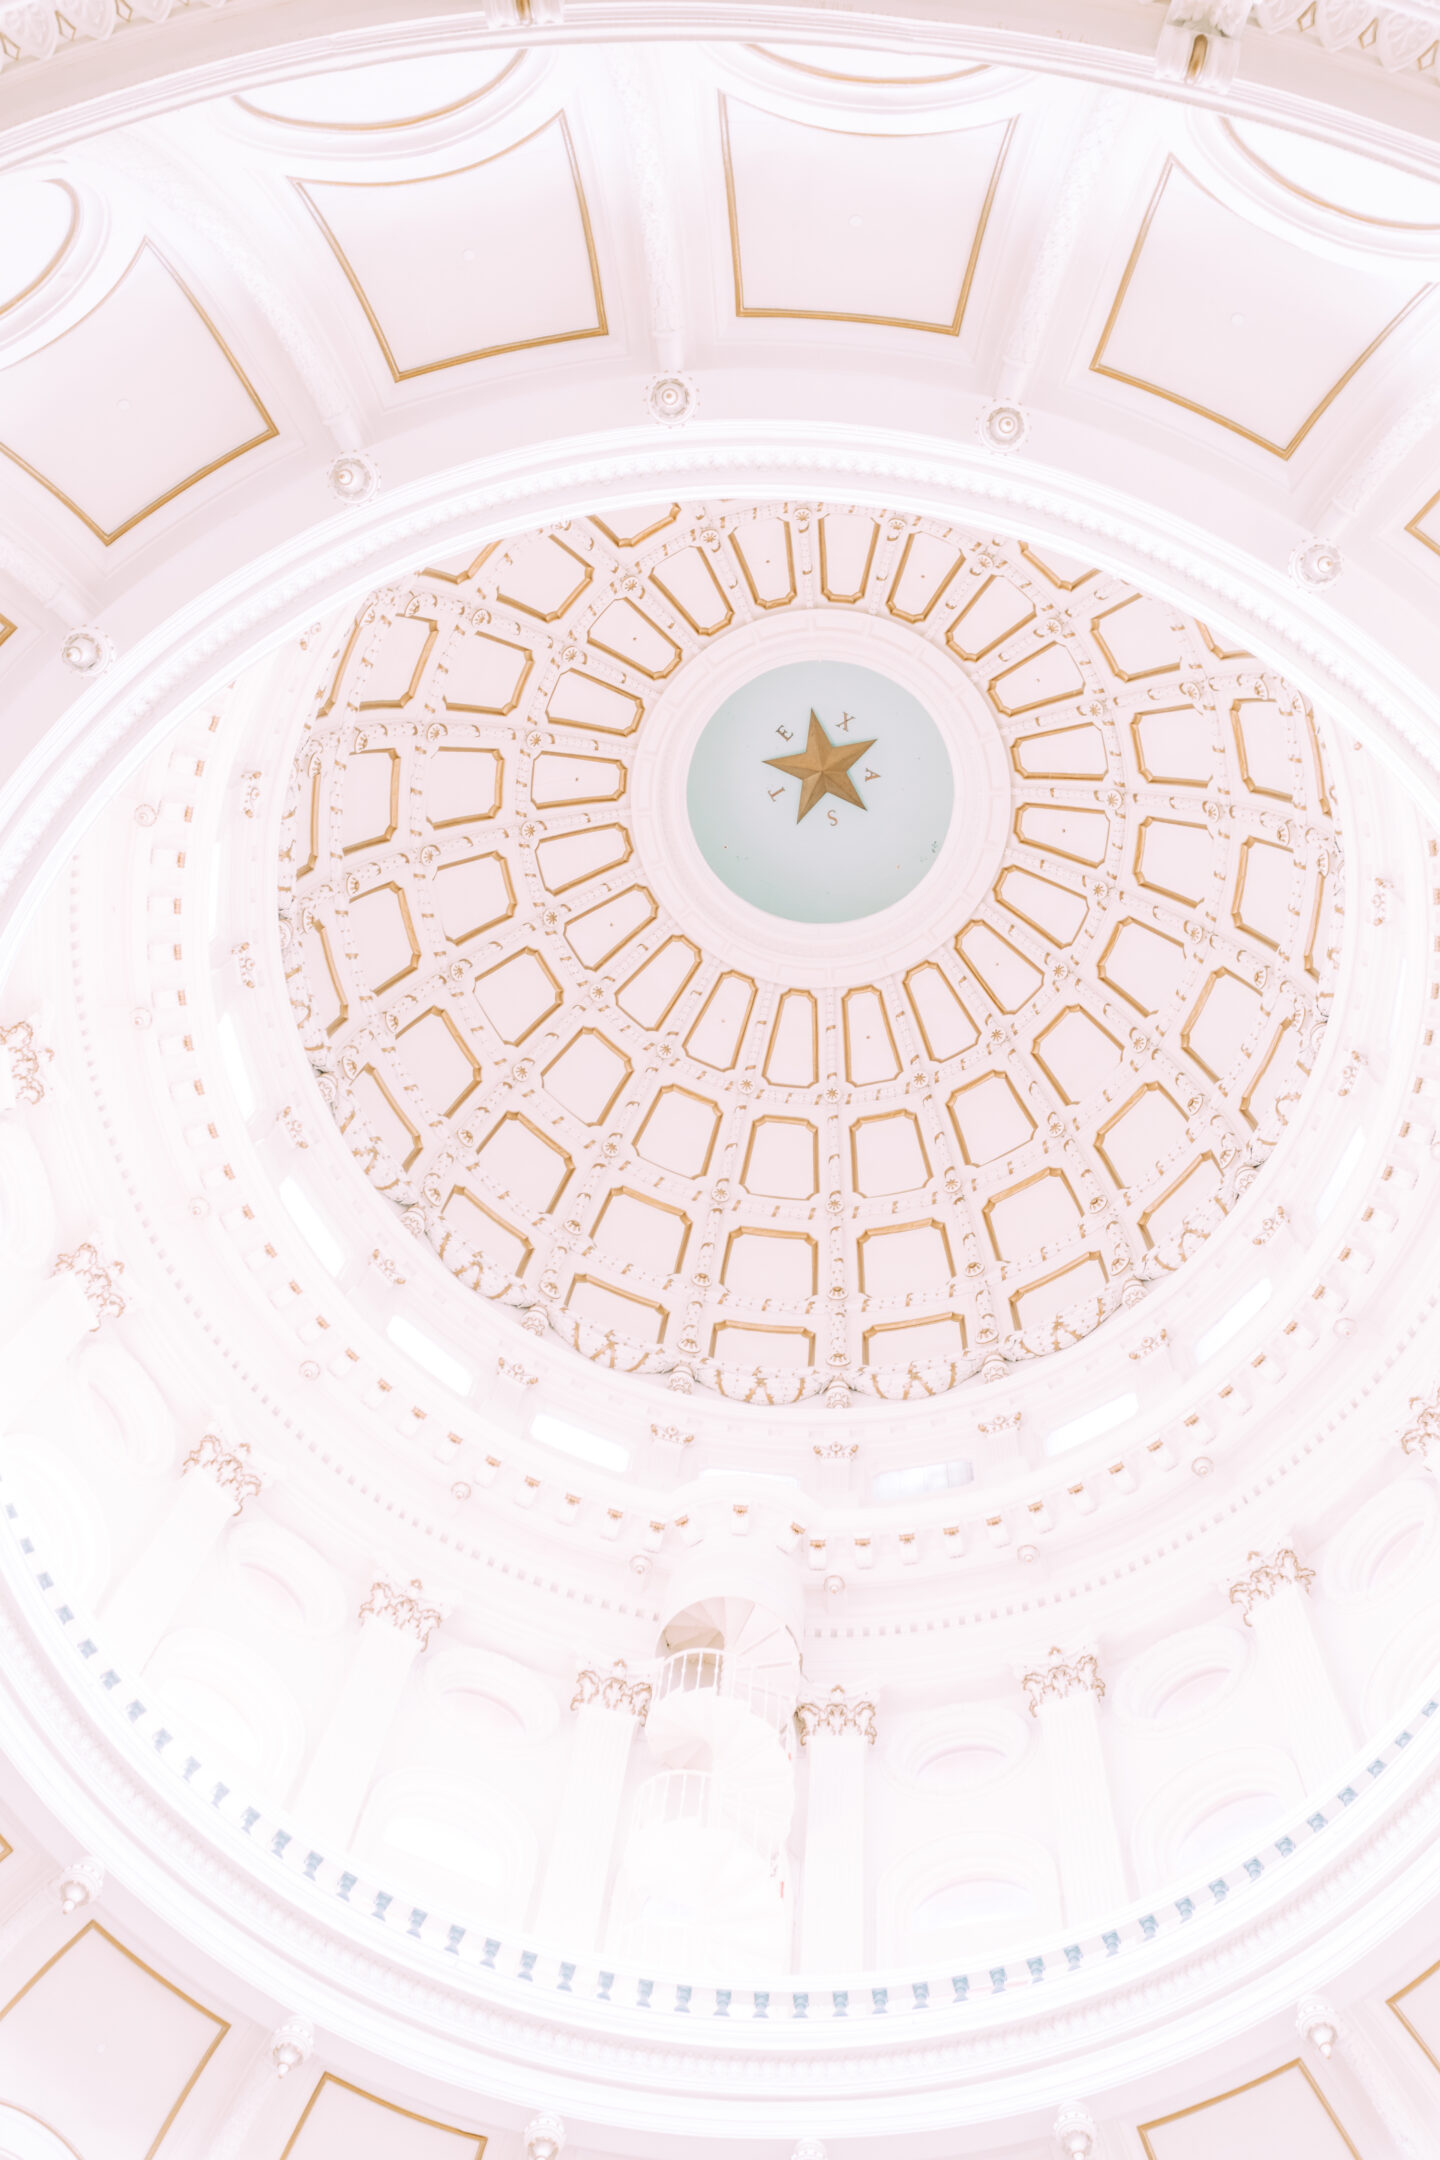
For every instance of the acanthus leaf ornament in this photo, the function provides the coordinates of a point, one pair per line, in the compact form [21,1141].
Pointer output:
[24,1051]
[614,1690]
[1283,1569]
[1078,1675]
[229,1466]
[836,1714]
[94,1276]
[403,1606]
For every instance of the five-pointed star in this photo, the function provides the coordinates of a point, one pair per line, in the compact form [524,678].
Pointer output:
[822,768]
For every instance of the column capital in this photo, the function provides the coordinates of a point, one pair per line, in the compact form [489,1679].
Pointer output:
[614,1690]
[1057,1676]
[544,2137]
[403,1606]
[95,1277]
[1074,2131]
[1267,1576]
[836,1713]
[82,1883]
[230,1467]
[23,1053]
[1422,1435]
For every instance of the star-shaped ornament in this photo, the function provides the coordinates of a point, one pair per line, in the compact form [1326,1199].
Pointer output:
[823,768]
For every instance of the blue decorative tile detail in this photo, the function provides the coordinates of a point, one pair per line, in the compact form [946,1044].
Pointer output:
[1111,1941]
[192,1764]
[45,1582]
[840,2002]
[920,1989]
[801,2005]
[682,1997]
[1219,1889]
[1348,1795]
[110,1679]
[1148,1924]
[644,1989]
[221,1792]
[1316,1822]
[881,1999]
[567,1974]
[527,1964]
[602,1992]
[162,1739]
[997,1979]
[383,1901]
[134,1711]
[722,2001]
[249,1819]
[1285,1845]
[64,1613]
[1376,1768]
[961,1984]
[457,1935]
[417,1921]
[278,1843]
[1403,1739]
[1074,1955]
[25,1544]
[761,2000]
[1254,1869]
[490,1952]
[312,1861]
[1185,1907]
[1036,1968]
[88,1648]
[345,1885]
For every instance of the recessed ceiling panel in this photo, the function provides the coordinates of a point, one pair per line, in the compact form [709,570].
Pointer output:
[139,401]
[857,228]
[491,258]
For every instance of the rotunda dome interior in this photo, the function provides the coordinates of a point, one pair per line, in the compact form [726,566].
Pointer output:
[719,1157]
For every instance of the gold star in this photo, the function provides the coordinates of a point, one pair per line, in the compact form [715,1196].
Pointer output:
[822,768]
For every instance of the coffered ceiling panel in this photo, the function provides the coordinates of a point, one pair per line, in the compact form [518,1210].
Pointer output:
[462,265]
[138,401]
[1283,2112]
[548,1055]
[1223,318]
[341,2122]
[857,227]
[102,2048]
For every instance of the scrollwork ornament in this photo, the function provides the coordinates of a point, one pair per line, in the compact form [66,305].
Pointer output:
[24,1054]
[94,1276]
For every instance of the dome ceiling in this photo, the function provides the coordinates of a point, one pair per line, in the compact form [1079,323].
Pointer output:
[779,1157]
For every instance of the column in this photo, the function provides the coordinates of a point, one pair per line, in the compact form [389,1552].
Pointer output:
[80,1294]
[287,2047]
[216,1480]
[1272,1595]
[395,1625]
[1065,1695]
[835,1732]
[608,1708]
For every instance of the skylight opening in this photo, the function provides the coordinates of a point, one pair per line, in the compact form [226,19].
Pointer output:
[312,1226]
[1339,1177]
[922,1478]
[425,1351]
[1103,1419]
[237,1072]
[574,1440]
[1228,1326]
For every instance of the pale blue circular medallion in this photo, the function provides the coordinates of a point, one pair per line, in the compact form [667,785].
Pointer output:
[843,859]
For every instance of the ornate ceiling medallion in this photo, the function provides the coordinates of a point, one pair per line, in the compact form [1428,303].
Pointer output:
[699,1133]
